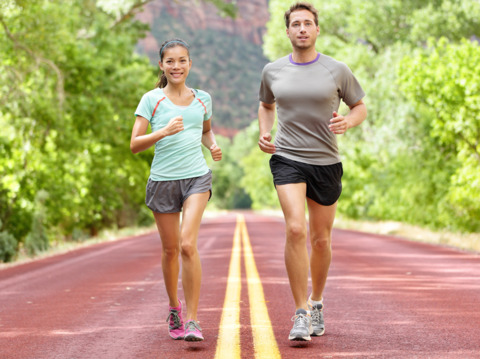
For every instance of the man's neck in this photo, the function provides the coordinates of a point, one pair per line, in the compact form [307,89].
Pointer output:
[304,55]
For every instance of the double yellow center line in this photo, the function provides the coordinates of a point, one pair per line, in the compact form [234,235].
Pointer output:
[228,345]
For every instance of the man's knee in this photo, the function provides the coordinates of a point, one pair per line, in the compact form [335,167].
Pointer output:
[321,242]
[296,232]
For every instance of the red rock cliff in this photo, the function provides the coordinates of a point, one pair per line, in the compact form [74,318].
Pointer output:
[250,22]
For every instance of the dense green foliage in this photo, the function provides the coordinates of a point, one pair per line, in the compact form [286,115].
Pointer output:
[69,83]
[416,158]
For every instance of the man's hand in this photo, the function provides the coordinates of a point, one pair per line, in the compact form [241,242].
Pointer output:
[265,143]
[338,124]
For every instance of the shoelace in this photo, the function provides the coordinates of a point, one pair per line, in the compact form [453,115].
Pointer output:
[315,313]
[300,320]
[173,315]
[191,325]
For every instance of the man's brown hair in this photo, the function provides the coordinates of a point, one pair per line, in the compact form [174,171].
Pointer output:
[301,6]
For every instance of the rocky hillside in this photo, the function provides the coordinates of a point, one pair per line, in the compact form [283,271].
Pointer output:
[226,52]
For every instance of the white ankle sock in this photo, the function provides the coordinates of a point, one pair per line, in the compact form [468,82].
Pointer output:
[314,302]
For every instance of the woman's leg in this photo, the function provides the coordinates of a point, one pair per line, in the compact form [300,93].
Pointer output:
[168,225]
[193,209]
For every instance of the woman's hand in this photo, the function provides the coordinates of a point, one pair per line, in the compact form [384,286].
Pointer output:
[175,125]
[216,152]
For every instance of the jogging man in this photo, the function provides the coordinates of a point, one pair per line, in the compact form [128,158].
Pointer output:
[305,88]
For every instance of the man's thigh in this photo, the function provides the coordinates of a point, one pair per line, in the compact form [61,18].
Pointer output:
[292,200]
[320,218]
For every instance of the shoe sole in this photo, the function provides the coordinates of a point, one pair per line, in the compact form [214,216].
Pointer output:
[193,339]
[318,334]
[176,338]
[299,339]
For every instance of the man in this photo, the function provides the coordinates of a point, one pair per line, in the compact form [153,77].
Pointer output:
[306,88]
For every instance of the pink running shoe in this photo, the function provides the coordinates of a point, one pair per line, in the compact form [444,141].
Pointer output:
[175,322]
[193,332]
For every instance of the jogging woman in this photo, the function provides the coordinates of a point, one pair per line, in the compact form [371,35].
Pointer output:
[180,119]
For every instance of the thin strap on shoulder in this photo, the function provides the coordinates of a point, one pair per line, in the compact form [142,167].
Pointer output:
[158,103]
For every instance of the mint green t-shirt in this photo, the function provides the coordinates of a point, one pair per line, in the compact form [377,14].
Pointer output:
[178,156]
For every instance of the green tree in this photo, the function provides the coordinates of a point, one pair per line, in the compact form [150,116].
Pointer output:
[68,83]
[443,81]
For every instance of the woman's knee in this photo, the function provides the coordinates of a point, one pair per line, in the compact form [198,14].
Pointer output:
[171,252]
[188,249]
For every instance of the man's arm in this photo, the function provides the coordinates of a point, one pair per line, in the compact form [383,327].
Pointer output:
[340,124]
[266,119]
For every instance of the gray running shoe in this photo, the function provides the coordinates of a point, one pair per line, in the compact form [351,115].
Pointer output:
[318,323]
[302,326]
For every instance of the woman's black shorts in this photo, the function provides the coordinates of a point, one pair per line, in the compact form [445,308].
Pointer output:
[324,183]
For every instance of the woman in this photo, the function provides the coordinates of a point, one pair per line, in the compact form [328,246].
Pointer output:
[180,118]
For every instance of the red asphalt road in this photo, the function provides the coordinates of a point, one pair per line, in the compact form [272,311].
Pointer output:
[385,298]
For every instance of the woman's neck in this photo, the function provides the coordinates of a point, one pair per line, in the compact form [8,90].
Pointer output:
[179,95]
[177,90]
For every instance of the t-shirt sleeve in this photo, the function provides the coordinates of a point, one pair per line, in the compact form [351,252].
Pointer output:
[350,90]
[144,108]
[265,94]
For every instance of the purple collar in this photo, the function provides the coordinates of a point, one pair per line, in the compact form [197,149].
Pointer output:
[303,63]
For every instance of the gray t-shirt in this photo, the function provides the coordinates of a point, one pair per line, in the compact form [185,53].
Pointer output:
[306,94]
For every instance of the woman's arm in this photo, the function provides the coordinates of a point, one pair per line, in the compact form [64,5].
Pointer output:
[208,140]
[140,141]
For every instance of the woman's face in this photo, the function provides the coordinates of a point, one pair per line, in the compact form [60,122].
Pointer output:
[176,64]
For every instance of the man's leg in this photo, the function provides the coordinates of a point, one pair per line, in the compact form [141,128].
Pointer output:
[292,200]
[320,222]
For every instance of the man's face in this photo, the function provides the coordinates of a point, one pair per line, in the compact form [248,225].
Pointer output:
[302,30]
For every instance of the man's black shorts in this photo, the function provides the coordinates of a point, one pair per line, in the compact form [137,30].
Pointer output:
[324,183]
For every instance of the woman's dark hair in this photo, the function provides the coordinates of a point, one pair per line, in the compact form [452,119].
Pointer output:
[301,6]
[162,79]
